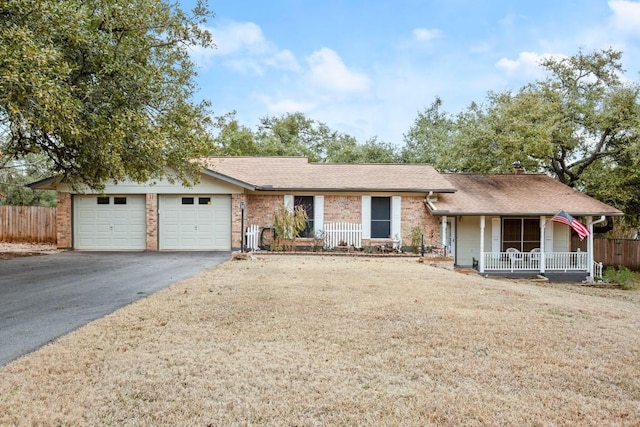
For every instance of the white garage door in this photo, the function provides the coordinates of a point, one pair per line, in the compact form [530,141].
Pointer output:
[198,222]
[109,222]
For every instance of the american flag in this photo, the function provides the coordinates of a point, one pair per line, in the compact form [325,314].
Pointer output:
[579,227]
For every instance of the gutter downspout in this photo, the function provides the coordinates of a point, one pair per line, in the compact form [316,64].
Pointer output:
[429,201]
[590,260]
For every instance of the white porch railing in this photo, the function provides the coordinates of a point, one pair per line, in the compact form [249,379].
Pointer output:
[522,261]
[252,234]
[337,233]
[597,270]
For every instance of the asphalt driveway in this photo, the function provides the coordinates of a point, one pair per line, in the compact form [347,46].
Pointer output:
[47,296]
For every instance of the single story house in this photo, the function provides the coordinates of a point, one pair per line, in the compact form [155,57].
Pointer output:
[477,217]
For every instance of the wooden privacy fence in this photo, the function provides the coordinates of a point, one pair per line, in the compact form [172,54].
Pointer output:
[30,224]
[613,252]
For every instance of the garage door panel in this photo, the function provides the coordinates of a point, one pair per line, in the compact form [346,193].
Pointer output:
[110,226]
[102,213]
[195,226]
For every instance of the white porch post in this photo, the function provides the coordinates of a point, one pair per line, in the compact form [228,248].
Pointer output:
[590,274]
[481,261]
[443,233]
[543,224]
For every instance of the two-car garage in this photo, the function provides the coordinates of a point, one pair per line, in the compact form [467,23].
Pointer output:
[185,222]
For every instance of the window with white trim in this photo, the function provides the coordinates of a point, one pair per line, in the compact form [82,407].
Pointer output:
[380,217]
[306,203]
[520,233]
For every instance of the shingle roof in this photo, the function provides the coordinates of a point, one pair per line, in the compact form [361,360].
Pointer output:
[530,194]
[296,173]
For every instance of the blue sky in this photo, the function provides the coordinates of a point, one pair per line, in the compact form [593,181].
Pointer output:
[367,68]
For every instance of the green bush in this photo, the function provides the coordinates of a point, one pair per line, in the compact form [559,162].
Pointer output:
[622,276]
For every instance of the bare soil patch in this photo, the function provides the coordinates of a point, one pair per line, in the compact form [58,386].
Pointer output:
[15,250]
[311,341]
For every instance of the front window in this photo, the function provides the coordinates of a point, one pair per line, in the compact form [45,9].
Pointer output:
[380,217]
[306,202]
[520,233]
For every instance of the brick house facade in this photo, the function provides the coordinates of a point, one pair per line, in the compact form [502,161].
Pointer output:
[262,184]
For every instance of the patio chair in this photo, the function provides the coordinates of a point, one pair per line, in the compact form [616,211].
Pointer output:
[515,256]
[535,257]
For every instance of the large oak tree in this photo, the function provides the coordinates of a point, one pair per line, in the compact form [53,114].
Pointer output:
[102,88]
[581,125]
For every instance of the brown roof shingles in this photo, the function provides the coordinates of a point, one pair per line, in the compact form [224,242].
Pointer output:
[530,194]
[458,194]
[296,173]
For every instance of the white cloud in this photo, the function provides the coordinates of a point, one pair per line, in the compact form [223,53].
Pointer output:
[243,47]
[626,16]
[425,34]
[233,37]
[284,60]
[527,64]
[328,72]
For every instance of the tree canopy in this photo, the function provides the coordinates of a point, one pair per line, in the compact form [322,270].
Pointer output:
[102,88]
[580,125]
[294,134]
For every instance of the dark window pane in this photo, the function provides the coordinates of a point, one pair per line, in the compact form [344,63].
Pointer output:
[520,233]
[103,200]
[306,202]
[531,230]
[381,217]
[511,229]
[187,200]
[381,208]
[511,233]
[119,200]
[380,229]
[204,200]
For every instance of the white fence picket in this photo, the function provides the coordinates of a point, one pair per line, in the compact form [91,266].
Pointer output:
[342,232]
[253,233]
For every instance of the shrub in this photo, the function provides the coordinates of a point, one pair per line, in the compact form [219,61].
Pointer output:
[622,276]
[288,225]
[416,238]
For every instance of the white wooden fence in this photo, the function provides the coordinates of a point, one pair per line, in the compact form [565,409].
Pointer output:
[342,233]
[252,236]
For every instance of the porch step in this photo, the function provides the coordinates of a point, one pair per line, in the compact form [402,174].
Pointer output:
[573,277]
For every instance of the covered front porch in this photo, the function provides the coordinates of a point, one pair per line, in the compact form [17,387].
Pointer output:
[519,246]
[502,224]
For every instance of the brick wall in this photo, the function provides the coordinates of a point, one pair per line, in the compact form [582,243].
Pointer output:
[338,208]
[260,209]
[343,209]
[236,219]
[414,213]
[63,221]
[151,202]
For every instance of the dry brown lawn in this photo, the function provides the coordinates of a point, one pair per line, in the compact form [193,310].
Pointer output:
[306,341]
